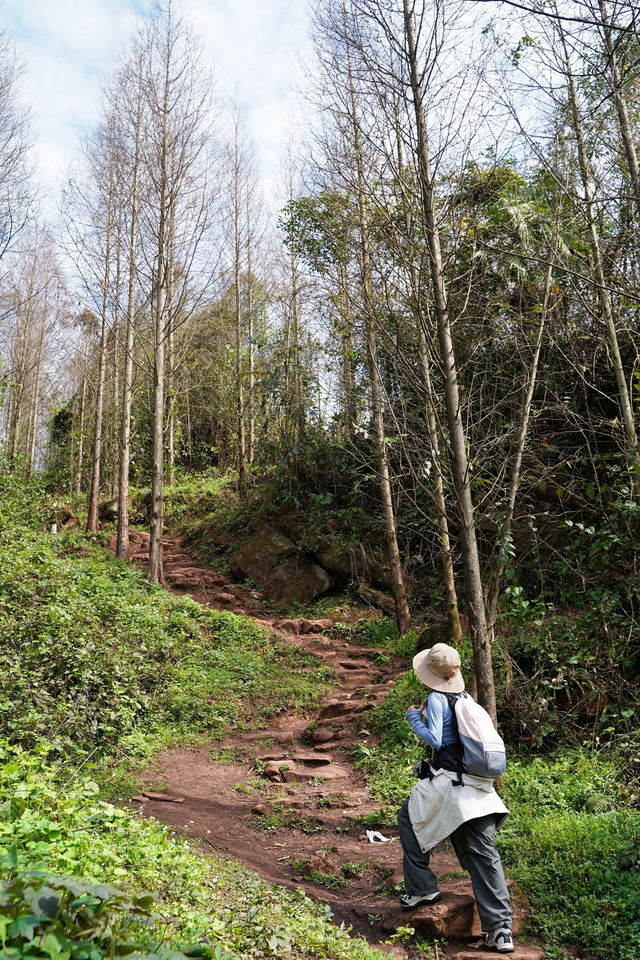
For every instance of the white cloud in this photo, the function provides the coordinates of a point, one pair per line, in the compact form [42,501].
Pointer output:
[70,46]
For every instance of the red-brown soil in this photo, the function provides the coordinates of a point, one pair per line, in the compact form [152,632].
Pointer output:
[286,800]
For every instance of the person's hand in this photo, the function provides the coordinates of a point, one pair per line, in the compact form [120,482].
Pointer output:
[414,708]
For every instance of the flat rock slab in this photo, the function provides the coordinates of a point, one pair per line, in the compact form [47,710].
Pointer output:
[342,708]
[315,626]
[452,916]
[309,759]
[355,664]
[519,904]
[292,772]
[164,797]
[521,952]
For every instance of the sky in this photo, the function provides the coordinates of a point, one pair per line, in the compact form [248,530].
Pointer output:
[68,47]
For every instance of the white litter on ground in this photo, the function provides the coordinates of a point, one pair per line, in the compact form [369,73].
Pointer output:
[374,836]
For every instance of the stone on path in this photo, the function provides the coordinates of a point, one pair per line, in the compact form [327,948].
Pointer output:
[451,916]
[315,626]
[164,797]
[289,626]
[521,952]
[292,771]
[342,708]
[322,735]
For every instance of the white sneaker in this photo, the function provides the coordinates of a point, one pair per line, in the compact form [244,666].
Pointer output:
[408,902]
[500,940]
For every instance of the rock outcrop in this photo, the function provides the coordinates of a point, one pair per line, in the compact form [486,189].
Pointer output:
[273,562]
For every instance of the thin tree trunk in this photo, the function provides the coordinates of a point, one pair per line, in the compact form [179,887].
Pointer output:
[621,106]
[446,559]
[507,523]
[298,400]
[155,573]
[403,616]
[113,447]
[596,252]
[94,490]
[242,453]
[36,394]
[83,398]
[122,533]
[348,378]
[251,358]
[460,465]
[171,405]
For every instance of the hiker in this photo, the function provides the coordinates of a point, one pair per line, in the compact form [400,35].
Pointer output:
[448,802]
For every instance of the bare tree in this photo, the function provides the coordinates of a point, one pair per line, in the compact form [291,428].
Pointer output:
[103,156]
[131,81]
[16,193]
[177,211]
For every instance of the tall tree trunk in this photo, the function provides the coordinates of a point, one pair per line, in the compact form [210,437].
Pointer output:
[446,559]
[403,616]
[460,466]
[115,371]
[251,386]
[83,400]
[122,533]
[35,400]
[493,593]
[621,106]
[299,413]
[624,399]
[171,388]
[348,376]
[94,489]
[242,451]
[157,482]
[454,628]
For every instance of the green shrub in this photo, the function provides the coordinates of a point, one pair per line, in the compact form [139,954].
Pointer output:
[96,652]
[567,843]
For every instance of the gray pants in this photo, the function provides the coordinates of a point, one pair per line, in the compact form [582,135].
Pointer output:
[475,846]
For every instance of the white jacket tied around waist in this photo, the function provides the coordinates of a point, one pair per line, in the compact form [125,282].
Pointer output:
[437,807]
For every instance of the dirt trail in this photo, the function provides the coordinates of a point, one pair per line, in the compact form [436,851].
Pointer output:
[300,822]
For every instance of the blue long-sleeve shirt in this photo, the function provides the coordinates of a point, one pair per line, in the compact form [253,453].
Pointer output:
[440,727]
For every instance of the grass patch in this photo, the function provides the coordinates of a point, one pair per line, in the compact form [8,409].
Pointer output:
[49,836]
[101,670]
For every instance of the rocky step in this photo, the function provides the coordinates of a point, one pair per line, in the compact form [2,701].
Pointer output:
[302,626]
[291,771]
[139,536]
[362,680]
[324,737]
[523,951]
[356,663]
[342,708]
[453,917]
[183,569]
[310,758]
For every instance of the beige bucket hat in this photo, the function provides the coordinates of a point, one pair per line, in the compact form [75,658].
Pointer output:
[439,668]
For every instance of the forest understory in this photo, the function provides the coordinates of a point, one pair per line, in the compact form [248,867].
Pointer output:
[213,703]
